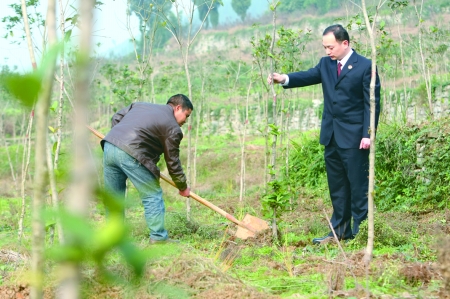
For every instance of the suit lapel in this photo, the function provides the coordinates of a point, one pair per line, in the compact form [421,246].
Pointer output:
[333,70]
[349,66]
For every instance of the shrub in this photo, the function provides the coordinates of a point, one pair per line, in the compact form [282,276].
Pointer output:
[307,165]
[386,235]
[411,167]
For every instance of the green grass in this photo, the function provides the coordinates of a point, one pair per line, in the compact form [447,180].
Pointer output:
[6,203]
[10,209]
[260,266]
[402,239]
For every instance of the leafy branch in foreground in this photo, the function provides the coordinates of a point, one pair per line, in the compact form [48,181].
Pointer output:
[88,244]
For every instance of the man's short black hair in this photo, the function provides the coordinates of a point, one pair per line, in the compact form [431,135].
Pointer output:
[182,100]
[339,33]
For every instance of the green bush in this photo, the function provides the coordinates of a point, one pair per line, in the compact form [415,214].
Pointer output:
[385,234]
[307,165]
[412,167]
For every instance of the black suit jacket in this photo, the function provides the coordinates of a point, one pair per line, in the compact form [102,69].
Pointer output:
[346,110]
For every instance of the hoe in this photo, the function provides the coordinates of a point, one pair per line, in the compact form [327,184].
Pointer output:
[249,227]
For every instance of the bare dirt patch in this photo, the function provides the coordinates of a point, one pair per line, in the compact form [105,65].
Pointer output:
[15,292]
[204,279]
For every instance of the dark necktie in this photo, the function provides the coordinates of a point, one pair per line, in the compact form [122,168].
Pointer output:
[339,68]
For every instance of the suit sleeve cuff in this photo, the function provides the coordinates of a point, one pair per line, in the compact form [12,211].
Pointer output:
[286,81]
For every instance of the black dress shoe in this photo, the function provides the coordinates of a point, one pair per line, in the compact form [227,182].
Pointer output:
[322,240]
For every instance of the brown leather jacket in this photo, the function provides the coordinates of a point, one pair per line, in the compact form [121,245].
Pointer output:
[145,131]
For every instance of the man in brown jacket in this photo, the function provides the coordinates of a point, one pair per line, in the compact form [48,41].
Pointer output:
[140,133]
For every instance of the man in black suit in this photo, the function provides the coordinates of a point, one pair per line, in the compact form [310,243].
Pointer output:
[345,76]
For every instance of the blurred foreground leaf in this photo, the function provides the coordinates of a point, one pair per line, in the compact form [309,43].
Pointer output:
[87,241]
[24,87]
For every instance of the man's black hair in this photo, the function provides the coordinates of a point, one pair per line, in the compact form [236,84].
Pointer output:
[182,100]
[339,33]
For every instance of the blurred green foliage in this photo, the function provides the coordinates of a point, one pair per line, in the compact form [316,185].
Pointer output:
[16,85]
[85,242]
[321,6]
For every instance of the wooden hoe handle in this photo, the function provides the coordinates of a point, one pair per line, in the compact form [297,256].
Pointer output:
[192,194]
[209,205]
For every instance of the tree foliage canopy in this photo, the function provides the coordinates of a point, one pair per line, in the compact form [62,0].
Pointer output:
[241,7]
[321,6]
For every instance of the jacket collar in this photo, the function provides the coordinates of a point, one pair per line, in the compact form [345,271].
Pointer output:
[352,62]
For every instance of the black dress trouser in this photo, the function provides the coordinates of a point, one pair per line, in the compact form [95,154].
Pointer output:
[348,182]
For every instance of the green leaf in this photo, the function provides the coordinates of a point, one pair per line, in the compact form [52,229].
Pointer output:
[106,238]
[67,35]
[77,227]
[112,204]
[50,56]
[66,253]
[134,257]
[24,87]
[55,146]
[54,106]
[97,4]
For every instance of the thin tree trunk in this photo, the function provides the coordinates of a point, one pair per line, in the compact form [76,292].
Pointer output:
[22,131]
[189,147]
[402,65]
[143,59]
[28,34]
[177,32]
[61,89]
[52,165]
[27,143]
[370,217]
[82,171]
[25,164]
[54,194]
[41,170]
[244,135]
[287,132]
[5,144]
[281,120]
[197,131]
[11,166]
[266,138]
[425,70]
[152,83]
[273,158]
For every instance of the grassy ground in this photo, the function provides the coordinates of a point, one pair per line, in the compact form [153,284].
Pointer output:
[210,262]
[411,258]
